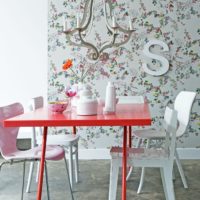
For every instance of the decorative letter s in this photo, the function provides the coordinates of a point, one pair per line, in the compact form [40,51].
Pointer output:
[164,62]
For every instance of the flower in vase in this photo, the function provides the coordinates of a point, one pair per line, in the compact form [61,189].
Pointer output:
[68,66]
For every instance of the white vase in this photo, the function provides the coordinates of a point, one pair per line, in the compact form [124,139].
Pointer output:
[86,105]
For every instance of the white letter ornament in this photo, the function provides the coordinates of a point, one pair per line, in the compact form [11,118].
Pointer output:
[164,62]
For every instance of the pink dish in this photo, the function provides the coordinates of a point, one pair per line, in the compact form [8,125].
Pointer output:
[58,106]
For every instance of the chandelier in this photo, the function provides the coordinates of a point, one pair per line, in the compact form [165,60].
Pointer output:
[82,26]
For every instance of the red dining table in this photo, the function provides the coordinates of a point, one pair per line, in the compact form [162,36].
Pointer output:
[126,115]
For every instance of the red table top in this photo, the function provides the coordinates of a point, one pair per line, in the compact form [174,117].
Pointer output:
[126,115]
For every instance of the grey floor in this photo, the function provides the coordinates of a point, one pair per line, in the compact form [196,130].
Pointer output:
[94,182]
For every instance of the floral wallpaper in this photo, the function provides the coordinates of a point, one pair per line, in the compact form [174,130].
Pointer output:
[174,22]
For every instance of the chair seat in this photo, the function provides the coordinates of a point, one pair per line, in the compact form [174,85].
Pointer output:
[52,153]
[63,140]
[150,134]
[141,153]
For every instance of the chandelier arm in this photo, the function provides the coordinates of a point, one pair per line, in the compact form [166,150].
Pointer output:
[124,30]
[106,18]
[110,6]
[108,45]
[89,20]
[123,42]
[86,33]
[85,13]
[117,25]
[72,43]
[83,42]
[70,32]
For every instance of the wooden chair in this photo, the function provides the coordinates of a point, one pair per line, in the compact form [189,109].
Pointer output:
[183,104]
[144,157]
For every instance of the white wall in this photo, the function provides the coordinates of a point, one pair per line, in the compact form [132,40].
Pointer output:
[23,50]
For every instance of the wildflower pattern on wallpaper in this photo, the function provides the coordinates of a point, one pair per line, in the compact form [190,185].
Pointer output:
[174,22]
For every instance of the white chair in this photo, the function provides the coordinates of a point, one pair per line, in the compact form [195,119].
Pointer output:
[183,104]
[69,142]
[10,152]
[155,158]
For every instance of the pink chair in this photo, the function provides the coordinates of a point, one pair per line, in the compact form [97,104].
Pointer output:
[69,142]
[12,155]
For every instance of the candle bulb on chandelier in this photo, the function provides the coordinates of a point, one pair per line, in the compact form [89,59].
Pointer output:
[130,24]
[113,22]
[64,24]
[77,21]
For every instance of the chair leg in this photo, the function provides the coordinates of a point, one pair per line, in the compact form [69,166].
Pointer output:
[180,170]
[131,168]
[22,192]
[143,172]
[129,173]
[114,171]
[37,173]
[71,192]
[47,182]
[164,183]
[138,142]
[70,161]
[169,183]
[30,175]
[173,175]
[141,180]
[76,164]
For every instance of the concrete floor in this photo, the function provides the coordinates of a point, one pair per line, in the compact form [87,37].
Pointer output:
[94,182]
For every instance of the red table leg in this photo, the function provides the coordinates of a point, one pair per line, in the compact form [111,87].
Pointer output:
[124,164]
[40,182]
[74,130]
[129,143]
[129,137]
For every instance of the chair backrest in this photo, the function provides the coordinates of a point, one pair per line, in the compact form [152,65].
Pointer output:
[170,125]
[183,105]
[8,136]
[35,103]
